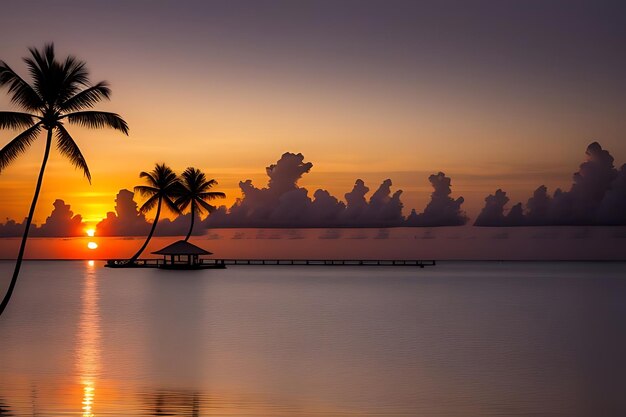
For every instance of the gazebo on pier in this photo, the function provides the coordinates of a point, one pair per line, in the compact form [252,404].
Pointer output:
[181,255]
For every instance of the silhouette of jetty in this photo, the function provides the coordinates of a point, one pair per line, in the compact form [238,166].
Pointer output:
[184,255]
[178,255]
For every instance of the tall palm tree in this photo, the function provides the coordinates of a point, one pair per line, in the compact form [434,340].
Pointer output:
[195,193]
[163,186]
[60,92]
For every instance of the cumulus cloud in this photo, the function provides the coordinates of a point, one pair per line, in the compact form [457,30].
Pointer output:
[356,202]
[442,210]
[538,207]
[612,210]
[580,205]
[283,203]
[61,222]
[179,226]
[325,208]
[11,228]
[596,197]
[493,212]
[126,221]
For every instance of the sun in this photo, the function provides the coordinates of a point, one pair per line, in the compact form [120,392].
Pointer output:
[92,245]
[91,232]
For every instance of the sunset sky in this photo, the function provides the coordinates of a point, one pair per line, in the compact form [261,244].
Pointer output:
[496,94]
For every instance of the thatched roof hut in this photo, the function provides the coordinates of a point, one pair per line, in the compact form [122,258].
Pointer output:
[182,252]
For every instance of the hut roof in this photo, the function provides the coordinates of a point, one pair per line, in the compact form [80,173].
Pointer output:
[182,248]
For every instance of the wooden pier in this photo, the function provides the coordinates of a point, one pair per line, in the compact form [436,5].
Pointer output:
[223,263]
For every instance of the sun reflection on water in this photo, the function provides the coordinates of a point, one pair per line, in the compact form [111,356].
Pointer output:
[88,349]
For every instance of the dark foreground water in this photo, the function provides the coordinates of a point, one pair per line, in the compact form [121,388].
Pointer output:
[460,339]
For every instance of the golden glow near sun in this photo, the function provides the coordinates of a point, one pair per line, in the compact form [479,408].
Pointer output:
[92,245]
[91,232]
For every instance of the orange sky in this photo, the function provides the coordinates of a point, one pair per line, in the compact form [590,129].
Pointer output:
[229,92]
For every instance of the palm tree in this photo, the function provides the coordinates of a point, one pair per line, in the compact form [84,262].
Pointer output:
[162,186]
[194,193]
[60,92]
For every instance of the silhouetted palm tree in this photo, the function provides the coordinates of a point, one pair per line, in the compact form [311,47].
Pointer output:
[60,92]
[194,193]
[163,186]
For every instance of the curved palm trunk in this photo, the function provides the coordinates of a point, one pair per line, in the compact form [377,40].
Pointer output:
[29,220]
[156,220]
[193,216]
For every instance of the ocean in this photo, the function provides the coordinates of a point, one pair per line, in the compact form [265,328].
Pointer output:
[458,339]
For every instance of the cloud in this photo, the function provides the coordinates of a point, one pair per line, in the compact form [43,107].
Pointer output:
[442,210]
[61,222]
[612,210]
[493,212]
[12,229]
[325,208]
[356,202]
[580,205]
[283,203]
[538,207]
[596,197]
[126,221]
[180,226]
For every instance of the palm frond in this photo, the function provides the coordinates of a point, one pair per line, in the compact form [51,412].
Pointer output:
[53,80]
[87,98]
[146,191]
[206,206]
[15,120]
[195,186]
[21,92]
[149,204]
[208,184]
[211,195]
[69,148]
[39,68]
[75,76]
[182,203]
[171,205]
[163,184]
[98,119]
[17,146]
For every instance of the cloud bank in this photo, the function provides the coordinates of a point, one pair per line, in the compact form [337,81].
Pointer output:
[283,203]
[61,223]
[128,221]
[596,197]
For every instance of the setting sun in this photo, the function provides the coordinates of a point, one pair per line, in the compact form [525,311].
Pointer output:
[91,232]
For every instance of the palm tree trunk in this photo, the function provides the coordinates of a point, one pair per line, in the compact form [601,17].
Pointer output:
[193,215]
[156,219]
[29,220]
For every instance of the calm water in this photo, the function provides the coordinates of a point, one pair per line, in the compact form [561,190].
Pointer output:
[460,339]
